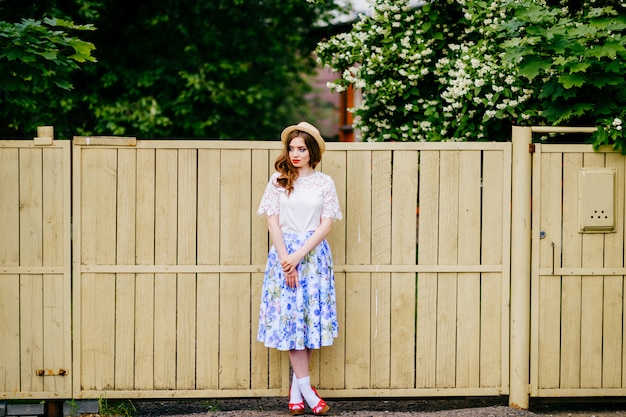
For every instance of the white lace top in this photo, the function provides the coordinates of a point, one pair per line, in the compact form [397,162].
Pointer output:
[313,198]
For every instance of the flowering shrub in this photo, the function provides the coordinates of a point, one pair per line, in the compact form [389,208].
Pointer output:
[466,70]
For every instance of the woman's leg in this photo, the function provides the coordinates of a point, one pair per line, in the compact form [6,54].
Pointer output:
[300,360]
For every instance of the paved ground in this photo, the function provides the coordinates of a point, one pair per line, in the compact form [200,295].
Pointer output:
[440,407]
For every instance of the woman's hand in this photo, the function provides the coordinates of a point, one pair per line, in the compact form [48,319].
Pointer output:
[291,278]
[290,262]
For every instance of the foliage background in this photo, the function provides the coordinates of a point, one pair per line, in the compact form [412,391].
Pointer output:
[468,70]
[446,70]
[168,68]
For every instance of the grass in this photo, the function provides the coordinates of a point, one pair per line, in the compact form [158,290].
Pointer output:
[116,408]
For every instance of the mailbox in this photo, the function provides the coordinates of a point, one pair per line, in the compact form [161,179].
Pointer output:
[596,200]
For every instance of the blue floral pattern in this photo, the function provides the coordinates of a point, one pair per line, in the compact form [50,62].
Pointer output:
[301,317]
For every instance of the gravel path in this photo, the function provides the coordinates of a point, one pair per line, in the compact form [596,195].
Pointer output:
[440,407]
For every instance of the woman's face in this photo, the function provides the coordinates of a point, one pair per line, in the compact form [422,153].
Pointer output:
[298,152]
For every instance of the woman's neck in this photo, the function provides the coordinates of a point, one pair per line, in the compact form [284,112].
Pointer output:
[305,171]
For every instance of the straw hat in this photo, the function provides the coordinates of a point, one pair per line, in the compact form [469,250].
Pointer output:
[304,127]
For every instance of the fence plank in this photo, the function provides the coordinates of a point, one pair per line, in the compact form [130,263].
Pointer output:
[592,300]
[31,210]
[186,331]
[99,184]
[612,343]
[571,248]
[209,202]
[97,331]
[208,294]
[468,313]
[491,304]
[358,291]
[403,251]
[144,286]
[428,249]
[31,334]
[359,203]
[447,282]
[53,206]
[10,333]
[550,287]
[236,207]
[234,353]
[126,209]
[9,207]
[208,305]
[9,284]
[381,283]
[125,283]
[165,286]
[145,219]
[358,337]
[124,331]
[166,245]
[186,283]
[55,320]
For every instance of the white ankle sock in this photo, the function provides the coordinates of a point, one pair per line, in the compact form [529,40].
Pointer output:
[307,392]
[295,396]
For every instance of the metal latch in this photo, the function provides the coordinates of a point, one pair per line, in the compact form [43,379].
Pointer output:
[52,372]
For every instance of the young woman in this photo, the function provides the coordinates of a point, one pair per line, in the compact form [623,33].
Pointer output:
[298,308]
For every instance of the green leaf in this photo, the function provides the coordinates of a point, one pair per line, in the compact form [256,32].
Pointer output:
[579,66]
[608,50]
[572,80]
[49,55]
[63,84]
[531,66]
[83,50]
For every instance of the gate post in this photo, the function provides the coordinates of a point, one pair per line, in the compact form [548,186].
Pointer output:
[520,267]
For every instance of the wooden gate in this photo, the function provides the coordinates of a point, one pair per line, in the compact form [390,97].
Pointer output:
[169,259]
[578,315]
[35,347]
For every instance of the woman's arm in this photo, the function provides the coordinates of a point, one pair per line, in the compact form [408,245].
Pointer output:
[290,262]
[276,235]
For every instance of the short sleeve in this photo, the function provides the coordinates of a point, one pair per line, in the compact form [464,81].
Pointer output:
[270,202]
[331,208]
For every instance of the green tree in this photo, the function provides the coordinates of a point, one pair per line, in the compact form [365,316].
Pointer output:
[467,70]
[188,68]
[575,61]
[37,60]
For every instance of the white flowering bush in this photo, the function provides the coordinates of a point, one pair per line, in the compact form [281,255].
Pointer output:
[429,73]
[458,70]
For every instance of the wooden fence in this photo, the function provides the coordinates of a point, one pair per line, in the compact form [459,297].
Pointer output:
[578,332]
[132,269]
[35,302]
[169,257]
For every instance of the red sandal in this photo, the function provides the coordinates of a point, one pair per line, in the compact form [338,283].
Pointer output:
[321,408]
[296,409]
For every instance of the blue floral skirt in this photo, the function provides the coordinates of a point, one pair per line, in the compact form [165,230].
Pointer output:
[301,317]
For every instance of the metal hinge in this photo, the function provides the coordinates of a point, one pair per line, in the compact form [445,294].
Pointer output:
[531,148]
